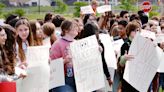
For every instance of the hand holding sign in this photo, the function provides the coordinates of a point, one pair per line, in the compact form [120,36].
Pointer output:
[104,8]
[86,10]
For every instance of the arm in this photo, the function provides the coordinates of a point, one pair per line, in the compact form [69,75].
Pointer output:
[55,51]
[105,67]
[124,50]
[5,78]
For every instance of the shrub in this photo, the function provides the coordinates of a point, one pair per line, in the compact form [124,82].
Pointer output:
[77,8]
[61,7]
[19,12]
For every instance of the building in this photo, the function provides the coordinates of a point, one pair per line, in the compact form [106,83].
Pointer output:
[30,2]
[39,2]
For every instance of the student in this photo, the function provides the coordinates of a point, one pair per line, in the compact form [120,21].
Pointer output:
[131,30]
[7,55]
[92,29]
[61,49]
[24,39]
[48,33]
[94,4]
[124,15]
[81,26]
[57,20]
[37,33]
[48,17]
[122,27]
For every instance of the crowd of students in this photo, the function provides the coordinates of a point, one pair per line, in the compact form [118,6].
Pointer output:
[18,33]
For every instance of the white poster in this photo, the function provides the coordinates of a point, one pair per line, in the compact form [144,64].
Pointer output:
[104,8]
[38,71]
[37,55]
[37,80]
[140,71]
[117,46]
[86,10]
[110,56]
[159,38]
[57,73]
[87,64]
[148,34]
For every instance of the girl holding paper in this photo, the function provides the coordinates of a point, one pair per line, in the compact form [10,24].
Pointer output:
[90,29]
[60,48]
[7,55]
[131,30]
[24,39]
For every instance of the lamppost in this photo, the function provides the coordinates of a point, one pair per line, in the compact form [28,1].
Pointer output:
[39,6]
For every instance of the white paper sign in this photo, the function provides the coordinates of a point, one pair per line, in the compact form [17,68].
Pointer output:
[140,71]
[110,56]
[117,46]
[104,8]
[46,42]
[57,73]
[86,10]
[37,80]
[87,64]
[148,34]
[37,55]
[19,71]
[159,38]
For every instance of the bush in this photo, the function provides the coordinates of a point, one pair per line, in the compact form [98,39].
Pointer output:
[77,8]
[61,7]
[19,12]
[5,15]
[128,5]
[1,7]
[154,11]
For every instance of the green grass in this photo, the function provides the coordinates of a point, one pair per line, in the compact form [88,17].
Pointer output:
[33,12]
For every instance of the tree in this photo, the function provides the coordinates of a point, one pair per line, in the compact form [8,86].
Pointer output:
[1,7]
[77,8]
[154,11]
[61,6]
[128,5]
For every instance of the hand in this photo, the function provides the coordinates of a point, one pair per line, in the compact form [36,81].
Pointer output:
[110,82]
[162,45]
[9,80]
[100,49]
[23,65]
[22,75]
[128,57]
[67,59]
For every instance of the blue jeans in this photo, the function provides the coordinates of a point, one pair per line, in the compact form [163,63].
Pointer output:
[161,80]
[68,87]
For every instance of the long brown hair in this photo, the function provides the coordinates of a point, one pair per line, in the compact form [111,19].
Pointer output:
[7,53]
[106,19]
[21,53]
[37,41]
